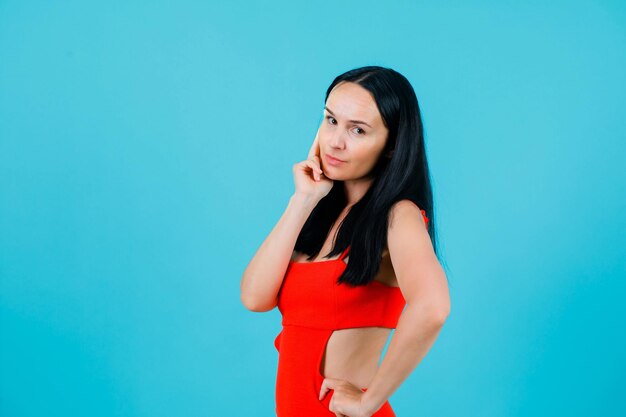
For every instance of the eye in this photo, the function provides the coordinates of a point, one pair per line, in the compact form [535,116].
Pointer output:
[359,132]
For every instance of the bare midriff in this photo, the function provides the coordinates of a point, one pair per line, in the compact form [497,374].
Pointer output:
[354,354]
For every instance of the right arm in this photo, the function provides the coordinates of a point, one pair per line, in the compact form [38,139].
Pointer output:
[264,274]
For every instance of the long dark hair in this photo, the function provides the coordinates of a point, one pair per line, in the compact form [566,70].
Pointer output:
[402,175]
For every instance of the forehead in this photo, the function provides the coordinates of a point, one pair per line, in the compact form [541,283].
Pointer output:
[353,102]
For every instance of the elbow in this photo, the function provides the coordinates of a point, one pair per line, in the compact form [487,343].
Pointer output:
[249,303]
[254,305]
[440,313]
[435,313]
[440,317]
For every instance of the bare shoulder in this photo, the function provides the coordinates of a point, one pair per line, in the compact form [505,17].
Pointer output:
[407,233]
[404,211]
[420,276]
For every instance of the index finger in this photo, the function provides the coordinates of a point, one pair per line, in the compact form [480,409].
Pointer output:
[324,389]
[315,148]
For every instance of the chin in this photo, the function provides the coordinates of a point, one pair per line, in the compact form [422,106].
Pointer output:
[336,177]
[332,176]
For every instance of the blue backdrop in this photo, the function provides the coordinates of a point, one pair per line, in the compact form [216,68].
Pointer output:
[146,152]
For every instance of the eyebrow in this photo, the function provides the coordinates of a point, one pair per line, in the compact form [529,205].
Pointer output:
[353,121]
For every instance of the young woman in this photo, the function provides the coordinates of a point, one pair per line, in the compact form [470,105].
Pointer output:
[364,190]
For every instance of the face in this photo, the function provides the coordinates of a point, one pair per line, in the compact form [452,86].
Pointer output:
[352,131]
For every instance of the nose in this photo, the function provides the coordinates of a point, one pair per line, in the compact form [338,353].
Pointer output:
[337,140]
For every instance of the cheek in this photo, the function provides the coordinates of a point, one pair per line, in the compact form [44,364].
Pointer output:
[366,153]
[322,136]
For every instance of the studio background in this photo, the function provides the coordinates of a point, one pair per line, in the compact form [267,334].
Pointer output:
[146,151]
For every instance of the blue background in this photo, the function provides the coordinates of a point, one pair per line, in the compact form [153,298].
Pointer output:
[146,152]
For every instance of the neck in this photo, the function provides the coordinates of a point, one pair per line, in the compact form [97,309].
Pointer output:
[356,189]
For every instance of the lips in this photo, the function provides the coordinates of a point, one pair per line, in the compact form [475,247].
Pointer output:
[332,161]
[335,158]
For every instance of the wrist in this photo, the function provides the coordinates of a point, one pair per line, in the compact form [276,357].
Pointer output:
[303,200]
[370,405]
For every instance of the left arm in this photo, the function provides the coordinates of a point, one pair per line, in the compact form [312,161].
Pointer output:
[424,286]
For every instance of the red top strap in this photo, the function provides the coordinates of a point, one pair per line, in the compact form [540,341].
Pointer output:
[424,215]
[344,253]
